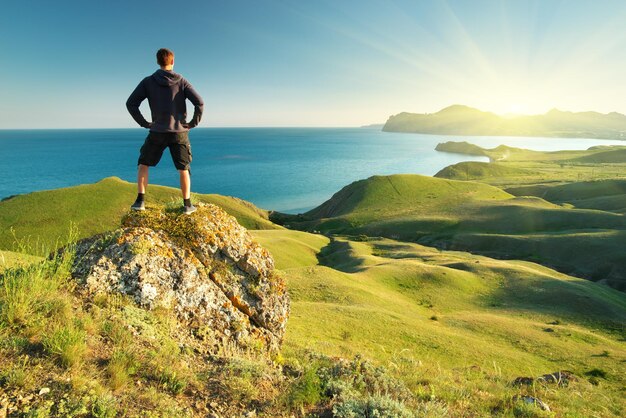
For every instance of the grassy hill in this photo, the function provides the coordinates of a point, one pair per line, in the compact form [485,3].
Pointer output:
[476,217]
[607,195]
[464,120]
[505,153]
[462,147]
[42,218]
[392,196]
[476,170]
[292,248]
[616,156]
[457,328]
[512,167]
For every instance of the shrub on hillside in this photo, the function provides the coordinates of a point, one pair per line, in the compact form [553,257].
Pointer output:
[349,387]
[372,406]
[67,343]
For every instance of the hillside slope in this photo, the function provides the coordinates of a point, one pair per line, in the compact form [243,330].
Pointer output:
[475,217]
[454,324]
[512,167]
[607,195]
[391,196]
[476,170]
[375,325]
[42,218]
[615,156]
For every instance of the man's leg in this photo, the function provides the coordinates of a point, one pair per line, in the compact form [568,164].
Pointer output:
[185,183]
[142,178]
[142,184]
[185,188]
[149,155]
[180,149]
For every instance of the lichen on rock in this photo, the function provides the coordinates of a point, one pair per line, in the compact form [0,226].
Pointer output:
[205,267]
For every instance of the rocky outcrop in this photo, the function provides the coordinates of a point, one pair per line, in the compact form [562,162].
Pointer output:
[560,378]
[204,267]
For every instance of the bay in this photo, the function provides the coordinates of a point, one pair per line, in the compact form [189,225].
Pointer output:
[285,169]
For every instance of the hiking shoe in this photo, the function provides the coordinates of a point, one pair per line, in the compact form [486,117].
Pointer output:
[188,210]
[138,205]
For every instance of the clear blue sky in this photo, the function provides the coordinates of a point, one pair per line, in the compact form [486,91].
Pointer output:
[72,64]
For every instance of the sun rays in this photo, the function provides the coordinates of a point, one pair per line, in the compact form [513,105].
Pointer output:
[515,59]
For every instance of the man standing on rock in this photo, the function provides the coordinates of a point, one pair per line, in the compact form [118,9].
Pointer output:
[166,92]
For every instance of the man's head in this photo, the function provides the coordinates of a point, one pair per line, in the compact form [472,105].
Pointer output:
[165,58]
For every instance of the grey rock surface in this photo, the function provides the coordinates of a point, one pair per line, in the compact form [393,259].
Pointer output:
[206,268]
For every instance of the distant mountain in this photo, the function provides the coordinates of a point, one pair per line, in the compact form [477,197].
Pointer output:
[464,120]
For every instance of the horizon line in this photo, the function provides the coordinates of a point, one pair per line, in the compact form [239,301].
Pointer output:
[507,115]
[201,127]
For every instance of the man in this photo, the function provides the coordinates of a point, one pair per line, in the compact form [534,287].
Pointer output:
[166,92]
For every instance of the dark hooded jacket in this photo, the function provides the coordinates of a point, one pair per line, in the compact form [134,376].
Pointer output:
[166,92]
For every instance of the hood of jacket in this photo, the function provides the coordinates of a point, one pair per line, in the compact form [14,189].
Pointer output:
[166,78]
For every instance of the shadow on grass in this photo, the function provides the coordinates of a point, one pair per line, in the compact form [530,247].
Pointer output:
[592,256]
[339,255]
[576,299]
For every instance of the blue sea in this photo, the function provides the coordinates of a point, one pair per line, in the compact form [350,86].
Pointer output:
[284,169]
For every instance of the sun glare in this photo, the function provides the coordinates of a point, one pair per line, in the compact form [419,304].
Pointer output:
[513,109]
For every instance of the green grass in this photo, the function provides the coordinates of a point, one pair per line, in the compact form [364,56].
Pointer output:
[42,217]
[14,259]
[291,248]
[505,153]
[67,343]
[121,367]
[97,356]
[462,147]
[398,195]
[475,170]
[28,292]
[102,356]
[453,327]
[471,216]
[377,298]
[511,167]
[373,298]
[607,195]
[615,156]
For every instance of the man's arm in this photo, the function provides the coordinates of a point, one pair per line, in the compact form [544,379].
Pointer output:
[198,103]
[132,104]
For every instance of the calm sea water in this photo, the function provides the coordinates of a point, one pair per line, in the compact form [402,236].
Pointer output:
[285,169]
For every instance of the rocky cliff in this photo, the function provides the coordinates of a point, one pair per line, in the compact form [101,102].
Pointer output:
[206,268]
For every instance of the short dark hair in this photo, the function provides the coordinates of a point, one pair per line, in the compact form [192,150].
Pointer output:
[165,57]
